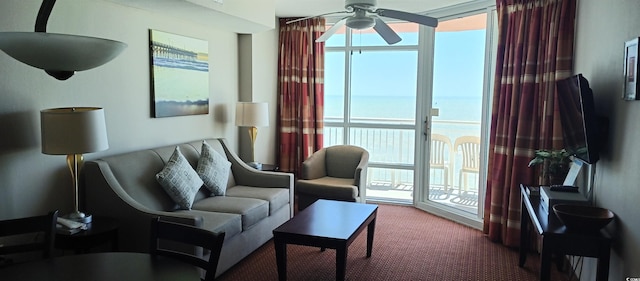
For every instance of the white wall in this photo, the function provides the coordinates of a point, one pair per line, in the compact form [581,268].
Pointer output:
[34,183]
[258,83]
[240,16]
[602,29]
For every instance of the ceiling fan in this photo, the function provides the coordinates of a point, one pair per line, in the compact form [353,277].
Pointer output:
[365,14]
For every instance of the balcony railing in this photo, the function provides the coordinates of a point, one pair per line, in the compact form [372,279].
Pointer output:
[391,145]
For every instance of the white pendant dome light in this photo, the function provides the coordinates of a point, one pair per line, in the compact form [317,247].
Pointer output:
[60,55]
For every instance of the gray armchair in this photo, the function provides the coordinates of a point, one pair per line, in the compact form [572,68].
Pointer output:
[336,173]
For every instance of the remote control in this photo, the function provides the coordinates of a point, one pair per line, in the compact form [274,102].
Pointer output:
[71,224]
[564,188]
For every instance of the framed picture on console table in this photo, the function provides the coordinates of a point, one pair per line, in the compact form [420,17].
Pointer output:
[631,91]
[179,74]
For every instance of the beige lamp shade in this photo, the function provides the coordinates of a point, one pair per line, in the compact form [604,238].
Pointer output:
[252,114]
[73,130]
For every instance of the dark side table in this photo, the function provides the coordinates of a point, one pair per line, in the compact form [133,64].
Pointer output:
[557,239]
[326,224]
[101,231]
[269,167]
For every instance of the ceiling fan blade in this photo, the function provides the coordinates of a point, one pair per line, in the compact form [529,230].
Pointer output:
[424,20]
[386,32]
[320,15]
[332,30]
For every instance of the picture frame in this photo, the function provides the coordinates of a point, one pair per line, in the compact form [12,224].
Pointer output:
[179,75]
[631,54]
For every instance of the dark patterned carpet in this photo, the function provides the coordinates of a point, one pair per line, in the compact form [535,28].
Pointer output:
[409,244]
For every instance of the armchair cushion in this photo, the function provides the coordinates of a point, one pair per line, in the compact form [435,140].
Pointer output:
[329,188]
[213,169]
[179,180]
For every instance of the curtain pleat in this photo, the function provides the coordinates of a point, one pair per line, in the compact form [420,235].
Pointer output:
[301,91]
[535,49]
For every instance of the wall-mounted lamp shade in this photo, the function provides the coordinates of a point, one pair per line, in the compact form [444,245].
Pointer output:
[59,52]
[73,130]
[252,114]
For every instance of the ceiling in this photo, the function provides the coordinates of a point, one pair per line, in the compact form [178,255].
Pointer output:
[303,8]
[252,16]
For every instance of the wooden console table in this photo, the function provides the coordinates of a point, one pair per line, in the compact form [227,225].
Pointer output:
[556,239]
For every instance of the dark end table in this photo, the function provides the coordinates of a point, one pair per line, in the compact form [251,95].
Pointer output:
[101,231]
[557,239]
[309,228]
[269,167]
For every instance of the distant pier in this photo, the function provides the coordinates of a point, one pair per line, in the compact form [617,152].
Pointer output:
[171,52]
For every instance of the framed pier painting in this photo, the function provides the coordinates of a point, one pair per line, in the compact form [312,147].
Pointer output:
[179,75]
[631,85]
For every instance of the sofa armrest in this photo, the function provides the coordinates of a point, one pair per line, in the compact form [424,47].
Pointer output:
[105,197]
[360,176]
[246,175]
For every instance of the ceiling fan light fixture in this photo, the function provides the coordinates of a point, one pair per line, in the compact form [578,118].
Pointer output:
[360,21]
[367,15]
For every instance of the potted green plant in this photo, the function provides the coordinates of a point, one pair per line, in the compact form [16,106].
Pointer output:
[555,164]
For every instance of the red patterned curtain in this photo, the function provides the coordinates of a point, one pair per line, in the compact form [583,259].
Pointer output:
[535,49]
[301,91]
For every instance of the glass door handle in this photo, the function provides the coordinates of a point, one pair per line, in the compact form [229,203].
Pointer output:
[427,128]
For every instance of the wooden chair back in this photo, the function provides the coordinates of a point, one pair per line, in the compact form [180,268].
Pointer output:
[41,225]
[190,235]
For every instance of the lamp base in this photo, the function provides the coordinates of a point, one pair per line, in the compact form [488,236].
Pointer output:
[79,217]
[255,165]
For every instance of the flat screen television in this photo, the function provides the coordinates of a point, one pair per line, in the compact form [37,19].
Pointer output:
[582,129]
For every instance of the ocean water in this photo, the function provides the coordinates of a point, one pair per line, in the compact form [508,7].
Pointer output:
[180,81]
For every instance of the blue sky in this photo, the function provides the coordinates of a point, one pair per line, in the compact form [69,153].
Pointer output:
[458,66]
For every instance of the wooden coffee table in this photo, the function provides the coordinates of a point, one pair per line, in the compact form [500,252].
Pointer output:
[326,224]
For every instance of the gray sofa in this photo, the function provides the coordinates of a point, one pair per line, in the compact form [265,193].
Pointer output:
[124,187]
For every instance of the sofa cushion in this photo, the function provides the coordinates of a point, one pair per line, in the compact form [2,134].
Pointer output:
[179,180]
[328,187]
[230,224]
[213,169]
[277,197]
[252,210]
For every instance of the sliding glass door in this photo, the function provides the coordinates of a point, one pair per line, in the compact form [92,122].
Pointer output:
[454,117]
[398,101]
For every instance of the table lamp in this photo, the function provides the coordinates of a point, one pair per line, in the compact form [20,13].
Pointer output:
[73,131]
[252,115]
